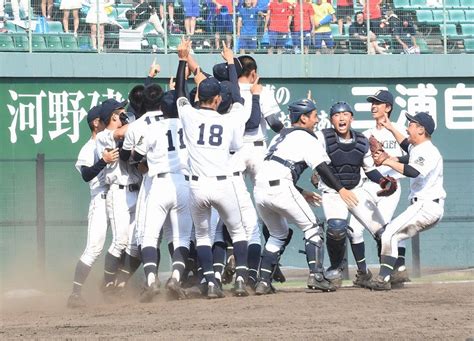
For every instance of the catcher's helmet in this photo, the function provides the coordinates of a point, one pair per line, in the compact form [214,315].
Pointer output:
[300,107]
[340,107]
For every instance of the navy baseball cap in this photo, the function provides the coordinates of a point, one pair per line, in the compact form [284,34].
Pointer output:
[424,119]
[109,106]
[226,94]
[382,96]
[168,104]
[94,113]
[221,71]
[209,88]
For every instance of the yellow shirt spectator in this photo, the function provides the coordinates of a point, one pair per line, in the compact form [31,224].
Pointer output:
[321,10]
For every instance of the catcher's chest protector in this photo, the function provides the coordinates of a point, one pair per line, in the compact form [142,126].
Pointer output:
[346,158]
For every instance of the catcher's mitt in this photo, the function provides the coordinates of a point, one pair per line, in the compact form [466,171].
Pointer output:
[378,153]
[388,185]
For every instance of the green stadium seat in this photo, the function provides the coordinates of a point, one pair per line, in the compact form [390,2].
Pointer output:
[55,27]
[438,16]
[469,45]
[157,41]
[174,40]
[456,16]
[53,42]
[335,31]
[470,15]
[6,43]
[424,49]
[10,26]
[401,4]
[149,28]
[124,23]
[424,16]
[450,30]
[69,42]
[452,3]
[21,42]
[84,42]
[467,3]
[417,3]
[38,43]
[467,29]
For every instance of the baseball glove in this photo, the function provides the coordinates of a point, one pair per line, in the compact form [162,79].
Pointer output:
[378,153]
[388,185]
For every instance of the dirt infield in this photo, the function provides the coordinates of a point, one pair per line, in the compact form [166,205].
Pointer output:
[418,311]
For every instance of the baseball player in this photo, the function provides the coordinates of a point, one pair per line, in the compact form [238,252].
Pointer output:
[381,105]
[91,169]
[424,167]
[279,200]
[348,151]
[123,180]
[210,137]
[167,196]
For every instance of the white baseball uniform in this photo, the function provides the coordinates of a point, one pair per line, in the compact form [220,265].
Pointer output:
[254,148]
[276,197]
[209,137]
[426,196]
[97,217]
[386,205]
[123,180]
[366,211]
[168,190]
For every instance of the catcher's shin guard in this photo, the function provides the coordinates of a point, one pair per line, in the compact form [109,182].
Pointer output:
[336,241]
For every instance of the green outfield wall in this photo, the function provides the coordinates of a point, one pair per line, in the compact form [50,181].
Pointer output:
[44,100]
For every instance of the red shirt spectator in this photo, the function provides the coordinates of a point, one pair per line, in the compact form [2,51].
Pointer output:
[345,3]
[308,13]
[226,3]
[279,13]
[374,9]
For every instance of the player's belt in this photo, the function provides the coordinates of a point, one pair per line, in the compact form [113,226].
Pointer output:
[165,175]
[273,183]
[218,177]
[416,199]
[258,143]
[131,187]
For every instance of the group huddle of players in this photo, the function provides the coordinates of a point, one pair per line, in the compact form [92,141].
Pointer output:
[174,166]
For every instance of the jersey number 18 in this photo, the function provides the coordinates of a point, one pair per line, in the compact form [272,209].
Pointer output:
[215,134]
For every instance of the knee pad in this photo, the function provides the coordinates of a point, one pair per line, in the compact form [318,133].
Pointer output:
[337,229]
[314,235]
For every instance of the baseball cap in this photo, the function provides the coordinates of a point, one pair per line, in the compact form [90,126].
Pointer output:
[109,106]
[209,88]
[424,119]
[226,94]
[221,71]
[382,96]
[168,104]
[94,113]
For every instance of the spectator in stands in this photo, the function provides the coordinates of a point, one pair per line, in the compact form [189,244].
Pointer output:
[389,25]
[247,26]
[91,18]
[344,12]
[277,23]
[405,36]
[142,13]
[308,25]
[191,12]
[324,15]
[172,27]
[47,8]
[374,14]
[74,6]
[358,37]
[223,22]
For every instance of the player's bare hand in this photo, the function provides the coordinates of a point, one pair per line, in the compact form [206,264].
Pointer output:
[184,48]
[154,69]
[349,197]
[227,53]
[110,155]
[385,121]
[142,167]
[171,84]
[309,95]
[256,88]
[312,198]
[199,77]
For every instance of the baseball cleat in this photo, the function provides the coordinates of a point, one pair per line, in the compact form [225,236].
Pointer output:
[213,291]
[149,292]
[195,291]
[239,289]
[397,278]
[264,288]
[379,284]
[75,301]
[316,281]
[229,270]
[362,279]
[278,275]
[175,289]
